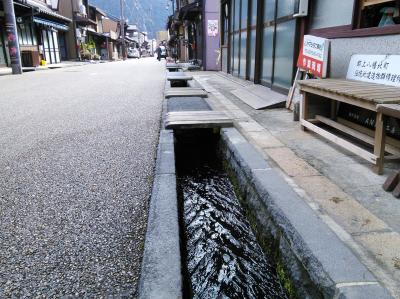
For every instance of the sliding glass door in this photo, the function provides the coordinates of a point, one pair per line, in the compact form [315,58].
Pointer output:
[279,43]
[50,46]
[268,42]
[243,38]
[263,41]
[251,61]
[235,38]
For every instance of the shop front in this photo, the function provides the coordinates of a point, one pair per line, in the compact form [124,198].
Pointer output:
[38,28]
[261,41]
[50,39]
[191,16]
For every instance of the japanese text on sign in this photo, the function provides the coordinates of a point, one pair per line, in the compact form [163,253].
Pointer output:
[212,27]
[381,69]
[313,56]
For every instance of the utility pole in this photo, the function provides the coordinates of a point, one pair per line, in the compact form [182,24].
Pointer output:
[12,37]
[121,2]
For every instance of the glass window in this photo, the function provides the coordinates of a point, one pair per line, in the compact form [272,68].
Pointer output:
[236,54]
[34,38]
[24,34]
[244,14]
[47,56]
[284,53]
[45,40]
[378,13]
[285,8]
[232,53]
[253,19]
[55,39]
[252,53]
[53,58]
[231,37]
[28,34]
[323,17]
[20,39]
[269,10]
[236,24]
[225,24]
[50,37]
[58,60]
[268,44]
[242,70]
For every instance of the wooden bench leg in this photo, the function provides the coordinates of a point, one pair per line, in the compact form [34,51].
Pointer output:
[304,109]
[379,147]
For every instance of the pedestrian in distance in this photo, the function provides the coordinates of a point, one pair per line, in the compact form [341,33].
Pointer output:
[158,51]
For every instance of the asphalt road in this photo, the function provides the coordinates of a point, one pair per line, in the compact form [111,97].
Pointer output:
[77,152]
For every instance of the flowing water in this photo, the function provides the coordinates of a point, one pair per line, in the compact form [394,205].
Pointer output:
[223,258]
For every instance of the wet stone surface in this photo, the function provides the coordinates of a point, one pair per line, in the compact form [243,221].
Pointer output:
[223,257]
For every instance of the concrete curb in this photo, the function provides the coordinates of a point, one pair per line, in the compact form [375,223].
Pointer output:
[318,261]
[161,266]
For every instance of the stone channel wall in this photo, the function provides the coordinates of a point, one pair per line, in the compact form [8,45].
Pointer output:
[314,259]
[316,262]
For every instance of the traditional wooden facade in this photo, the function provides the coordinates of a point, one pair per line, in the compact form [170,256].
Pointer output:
[190,35]
[40,33]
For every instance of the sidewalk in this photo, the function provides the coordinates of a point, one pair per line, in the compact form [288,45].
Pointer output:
[64,64]
[339,186]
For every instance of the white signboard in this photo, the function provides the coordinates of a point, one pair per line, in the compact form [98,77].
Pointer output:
[314,55]
[212,27]
[380,69]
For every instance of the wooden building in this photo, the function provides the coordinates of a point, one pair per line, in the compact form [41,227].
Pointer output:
[41,33]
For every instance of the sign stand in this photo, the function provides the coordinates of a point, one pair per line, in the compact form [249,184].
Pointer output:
[299,76]
[312,60]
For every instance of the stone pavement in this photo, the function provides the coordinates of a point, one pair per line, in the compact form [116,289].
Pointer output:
[339,186]
[77,160]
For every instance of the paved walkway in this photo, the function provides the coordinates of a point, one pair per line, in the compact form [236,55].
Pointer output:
[341,187]
[76,168]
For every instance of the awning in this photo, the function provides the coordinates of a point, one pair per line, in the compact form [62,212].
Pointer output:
[91,31]
[191,10]
[84,21]
[50,24]
[43,9]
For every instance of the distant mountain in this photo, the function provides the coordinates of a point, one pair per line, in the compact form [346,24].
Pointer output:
[148,15]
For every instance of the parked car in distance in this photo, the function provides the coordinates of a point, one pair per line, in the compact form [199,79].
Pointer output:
[133,53]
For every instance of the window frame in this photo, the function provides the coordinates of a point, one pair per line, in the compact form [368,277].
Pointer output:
[25,30]
[351,30]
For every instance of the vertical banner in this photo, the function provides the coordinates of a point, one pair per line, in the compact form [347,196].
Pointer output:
[313,56]
[212,27]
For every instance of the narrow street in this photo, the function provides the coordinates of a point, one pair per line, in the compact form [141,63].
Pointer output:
[77,150]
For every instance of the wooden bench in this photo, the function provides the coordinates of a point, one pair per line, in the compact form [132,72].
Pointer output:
[382,99]
[185,92]
[173,68]
[197,120]
[179,79]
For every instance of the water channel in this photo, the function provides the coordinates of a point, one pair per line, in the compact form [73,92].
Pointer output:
[221,255]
